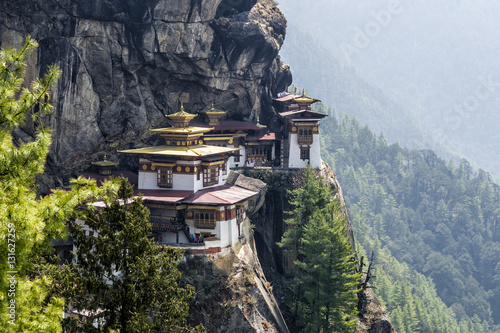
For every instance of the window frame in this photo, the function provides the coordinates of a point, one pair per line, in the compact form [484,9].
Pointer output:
[210,175]
[305,153]
[305,135]
[205,219]
[168,182]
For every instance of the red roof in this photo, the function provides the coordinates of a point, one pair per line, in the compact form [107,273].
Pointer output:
[296,112]
[263,137]
[268,136]
[164,195]
[287,98]
[229,125]
[221,195]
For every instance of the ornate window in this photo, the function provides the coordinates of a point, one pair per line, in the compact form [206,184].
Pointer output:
[165,178]
[204,219]
[305,136]
[305,153]
[260,153]
[211,175]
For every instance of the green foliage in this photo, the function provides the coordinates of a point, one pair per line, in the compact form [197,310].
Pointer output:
[27,222]
[120,275]
[433,226]
[309,195]
[324,265]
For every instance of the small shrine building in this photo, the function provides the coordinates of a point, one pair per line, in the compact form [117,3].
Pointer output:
[300,144]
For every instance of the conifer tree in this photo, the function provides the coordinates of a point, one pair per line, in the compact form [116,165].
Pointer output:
[324,265]
[27,222]
[121,277]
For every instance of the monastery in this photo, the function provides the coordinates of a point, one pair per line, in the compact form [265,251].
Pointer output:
[184,182]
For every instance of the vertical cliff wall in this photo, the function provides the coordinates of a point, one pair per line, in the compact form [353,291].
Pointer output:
[126,63]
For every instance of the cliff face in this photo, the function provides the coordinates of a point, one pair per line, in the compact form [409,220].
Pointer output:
[126,63]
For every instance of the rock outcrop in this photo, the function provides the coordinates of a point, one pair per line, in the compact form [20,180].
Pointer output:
[126,63]
[232,292]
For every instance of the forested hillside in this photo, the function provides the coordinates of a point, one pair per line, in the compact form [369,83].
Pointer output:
[434,227]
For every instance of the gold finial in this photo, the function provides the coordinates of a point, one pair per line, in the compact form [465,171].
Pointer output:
[303,93]
[213,106]
[295,91]
[182,106]
[105,165]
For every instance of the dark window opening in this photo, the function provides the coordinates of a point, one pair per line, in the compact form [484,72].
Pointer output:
[304,153]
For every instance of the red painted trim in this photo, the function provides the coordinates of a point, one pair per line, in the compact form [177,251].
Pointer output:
[206,251]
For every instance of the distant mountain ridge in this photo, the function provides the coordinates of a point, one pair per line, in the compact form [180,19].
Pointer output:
[341,86]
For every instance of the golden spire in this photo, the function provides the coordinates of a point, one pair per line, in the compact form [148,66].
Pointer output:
[181,118]
[105,166]
[303,99]
[213,115]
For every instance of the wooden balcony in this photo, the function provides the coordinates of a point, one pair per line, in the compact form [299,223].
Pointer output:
[305,139]
[165,223]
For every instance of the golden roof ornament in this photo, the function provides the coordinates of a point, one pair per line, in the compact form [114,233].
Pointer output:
[213,110]
[303,99]
[105,162]
[213,115]
[105,166]
[181,118]
[259,124]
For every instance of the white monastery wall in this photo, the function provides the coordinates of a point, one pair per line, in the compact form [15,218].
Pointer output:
[295,161]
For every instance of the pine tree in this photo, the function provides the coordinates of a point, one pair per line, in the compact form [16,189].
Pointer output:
[329,283]
[324,265]
[125,280]
[309,195]
[27,222]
